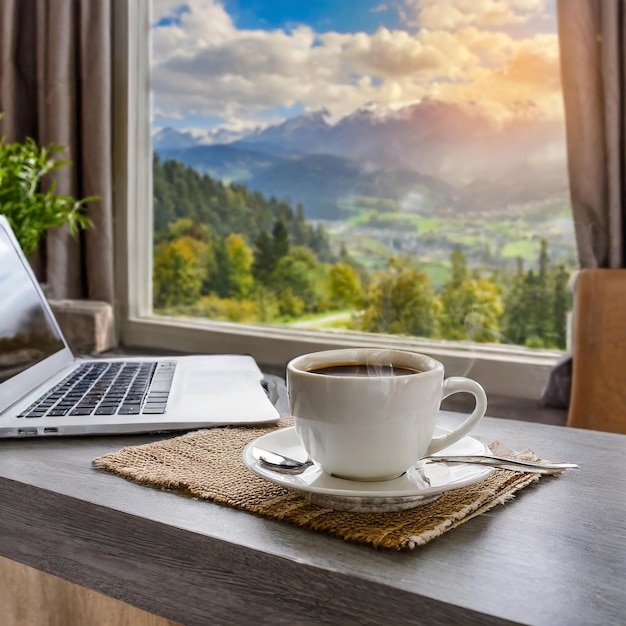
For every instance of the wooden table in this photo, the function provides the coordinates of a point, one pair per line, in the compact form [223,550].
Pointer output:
[555,555]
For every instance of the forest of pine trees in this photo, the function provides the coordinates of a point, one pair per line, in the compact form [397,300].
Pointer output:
[228,253]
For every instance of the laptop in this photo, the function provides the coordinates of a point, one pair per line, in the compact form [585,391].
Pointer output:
[47,391]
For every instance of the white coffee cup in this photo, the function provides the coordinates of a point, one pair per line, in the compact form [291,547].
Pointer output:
[368,424]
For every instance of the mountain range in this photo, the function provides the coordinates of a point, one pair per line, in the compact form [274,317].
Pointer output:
[445,155]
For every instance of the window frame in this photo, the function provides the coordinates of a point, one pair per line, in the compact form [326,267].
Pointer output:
[504,370]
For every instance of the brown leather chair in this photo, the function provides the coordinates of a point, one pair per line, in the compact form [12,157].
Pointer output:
[598,396]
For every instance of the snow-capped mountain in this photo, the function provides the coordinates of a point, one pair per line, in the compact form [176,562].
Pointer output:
[454,143]
[169,138]
[303,134]
[448,154]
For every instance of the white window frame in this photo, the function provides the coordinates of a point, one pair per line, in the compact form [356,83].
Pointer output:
[503,370]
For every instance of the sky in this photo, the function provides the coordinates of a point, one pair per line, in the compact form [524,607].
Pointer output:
[243,64]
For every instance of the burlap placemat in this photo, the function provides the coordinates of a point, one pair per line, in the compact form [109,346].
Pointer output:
[208,464]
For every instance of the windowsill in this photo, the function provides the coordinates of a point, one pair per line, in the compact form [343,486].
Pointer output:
[503,370]
[505,407]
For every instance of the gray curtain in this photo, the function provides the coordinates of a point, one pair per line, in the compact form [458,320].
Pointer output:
[593,70]
[56,87]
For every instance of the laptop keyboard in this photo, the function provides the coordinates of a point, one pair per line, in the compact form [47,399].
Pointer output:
[118,388]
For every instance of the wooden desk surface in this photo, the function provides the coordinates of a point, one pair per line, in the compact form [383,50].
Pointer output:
[554,555]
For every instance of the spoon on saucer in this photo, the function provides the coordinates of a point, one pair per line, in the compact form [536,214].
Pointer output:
[279,462]
[282,463]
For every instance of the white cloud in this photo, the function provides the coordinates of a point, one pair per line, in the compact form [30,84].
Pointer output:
[453,14]
[204,24]
[204,65]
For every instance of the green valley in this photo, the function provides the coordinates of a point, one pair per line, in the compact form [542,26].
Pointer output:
[228,252]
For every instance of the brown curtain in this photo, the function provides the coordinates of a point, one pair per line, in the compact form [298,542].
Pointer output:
[593,69]
[56,86]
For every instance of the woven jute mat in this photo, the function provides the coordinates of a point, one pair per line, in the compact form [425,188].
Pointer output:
[208,464]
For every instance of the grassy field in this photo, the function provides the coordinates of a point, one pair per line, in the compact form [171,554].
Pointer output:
[376,229]
[437,272]
[525,249]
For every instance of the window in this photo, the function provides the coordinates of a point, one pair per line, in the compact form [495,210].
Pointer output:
[325,169]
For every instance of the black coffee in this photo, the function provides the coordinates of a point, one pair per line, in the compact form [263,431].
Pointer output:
[361,369]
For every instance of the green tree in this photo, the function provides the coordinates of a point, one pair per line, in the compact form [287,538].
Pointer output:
[280,240]
[544,297]
[562,305]
[180,191]
[471,307]
[319,243]
[268,250]
[264,259]
[513,318]
[290,304]
[266,304]
[300,230]
[297,275]
[186,227]
[536,303]
[401,300]
[519,323]
[217,281]
[459,273]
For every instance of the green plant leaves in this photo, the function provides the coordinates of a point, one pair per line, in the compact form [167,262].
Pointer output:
[30,210]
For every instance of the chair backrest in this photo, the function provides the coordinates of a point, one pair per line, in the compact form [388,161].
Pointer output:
[598,396]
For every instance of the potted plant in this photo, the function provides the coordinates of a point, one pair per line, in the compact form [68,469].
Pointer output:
[29,209]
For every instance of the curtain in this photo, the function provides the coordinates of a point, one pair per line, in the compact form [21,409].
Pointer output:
[56,87]
[593,71]
[593,66]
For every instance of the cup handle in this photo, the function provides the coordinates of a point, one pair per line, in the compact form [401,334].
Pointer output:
[457,384]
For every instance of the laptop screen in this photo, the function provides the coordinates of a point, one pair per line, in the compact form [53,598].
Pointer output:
[27,334]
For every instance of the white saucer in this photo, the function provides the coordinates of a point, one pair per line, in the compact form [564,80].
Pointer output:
[419,485]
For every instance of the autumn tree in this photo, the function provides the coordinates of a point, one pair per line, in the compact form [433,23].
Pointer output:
[401,300]
[344,286]
[178,271]
[239,268]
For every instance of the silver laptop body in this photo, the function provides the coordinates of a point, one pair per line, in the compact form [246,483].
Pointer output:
[41,380]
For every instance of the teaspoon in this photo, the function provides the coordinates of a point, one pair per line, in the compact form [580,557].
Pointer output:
[282,463]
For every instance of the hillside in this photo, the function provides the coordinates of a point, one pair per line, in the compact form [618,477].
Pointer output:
[318,181]
[453,158]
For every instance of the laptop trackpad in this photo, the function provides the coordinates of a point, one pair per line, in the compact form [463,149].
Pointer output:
[210,383]
[226,388]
